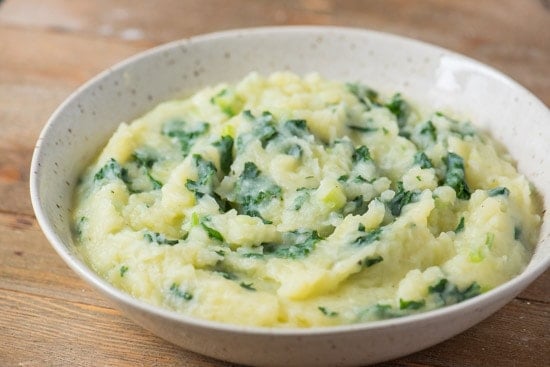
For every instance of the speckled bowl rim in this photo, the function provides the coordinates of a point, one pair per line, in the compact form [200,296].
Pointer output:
[513,286]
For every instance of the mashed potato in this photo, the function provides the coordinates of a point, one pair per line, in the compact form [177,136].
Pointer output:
[295,202]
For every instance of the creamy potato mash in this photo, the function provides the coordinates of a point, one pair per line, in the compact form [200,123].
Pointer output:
[283,201]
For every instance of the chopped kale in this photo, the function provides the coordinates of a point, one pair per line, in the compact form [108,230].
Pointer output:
[176,291]
[158,238]
[123,270]
[227,101]
[460,225]
[301,243]
[368,238]
[254,190]
[370,261]
[364,94]
[327,312]
[296,128]
[264,127]
[211,232]
[185,137]
[429,130]
[248,286]
[206,172]
[517,232]
[363,129]
[402,198]
[455,176]
[400,109]
[225,147]
[361,154]
[411,305]
[294,150]
[450,294]
[111,171]
[498,191]
[253,255]
[421,159]
[301,199]
[356,206]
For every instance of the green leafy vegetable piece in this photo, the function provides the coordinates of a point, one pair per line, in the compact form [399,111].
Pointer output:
[302,241]
[176,291]
[429,130]
[206,172]
[123,270]
[361,154]
[517,232]
[411,305]
[450,294]
[356,206]
[185,137]
[111,171]
[296,128]
[460,226]
[421,159]
[371,260]
[400,109]
[158,238]
[365,95]
[301,199]
[254,190]
[402,198]
[227,101]
[498,191]
[455,176]
[264,126]
[368,238]
[327,312]
[248,286]
[225,147]
[211,232]
[362,129]
[294,150]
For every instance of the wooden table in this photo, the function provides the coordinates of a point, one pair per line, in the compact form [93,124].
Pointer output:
[49,317]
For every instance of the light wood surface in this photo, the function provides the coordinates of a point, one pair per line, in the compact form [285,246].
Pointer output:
[49,317]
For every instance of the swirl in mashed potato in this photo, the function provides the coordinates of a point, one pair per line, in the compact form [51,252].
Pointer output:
[283,201]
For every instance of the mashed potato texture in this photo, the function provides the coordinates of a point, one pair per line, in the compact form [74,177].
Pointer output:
[287,201]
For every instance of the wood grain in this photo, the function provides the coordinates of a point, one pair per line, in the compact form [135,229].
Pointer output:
[49,47]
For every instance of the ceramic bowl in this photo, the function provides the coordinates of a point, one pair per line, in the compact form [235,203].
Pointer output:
[428,75]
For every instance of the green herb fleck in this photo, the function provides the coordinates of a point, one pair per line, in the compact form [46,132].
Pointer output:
[206,172]
[402,198]
[399,108]
[185,138]
[363,129]
[460,227]
[303,242]
[327,312]
[497,191]
[123,270]
[411,305]
[211,232]
[450,294]
[455,176]
[429,130]
[176,291]
[361,154]
[158,238]
[371,260]
[421,159]
[248,286]
[368,238]
[225,148]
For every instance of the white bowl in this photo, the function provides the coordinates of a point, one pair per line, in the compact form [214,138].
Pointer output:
[431,76]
